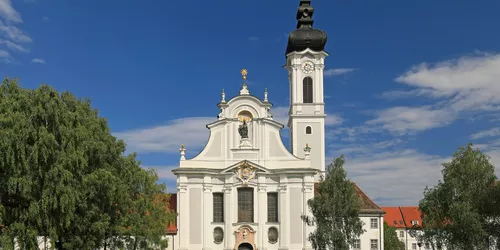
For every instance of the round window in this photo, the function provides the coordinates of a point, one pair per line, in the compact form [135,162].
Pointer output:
[218,235]
[272,234]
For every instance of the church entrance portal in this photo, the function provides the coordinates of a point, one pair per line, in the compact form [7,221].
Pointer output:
[245,246]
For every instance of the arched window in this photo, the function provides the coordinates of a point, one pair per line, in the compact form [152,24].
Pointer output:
[308,130]
[307,89]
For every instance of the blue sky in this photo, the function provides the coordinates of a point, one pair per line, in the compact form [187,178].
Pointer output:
[407,82]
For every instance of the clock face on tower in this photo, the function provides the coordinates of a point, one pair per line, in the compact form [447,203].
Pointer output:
[308,67]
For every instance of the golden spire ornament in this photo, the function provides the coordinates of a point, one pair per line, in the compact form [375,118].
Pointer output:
[244,87]
[244,73]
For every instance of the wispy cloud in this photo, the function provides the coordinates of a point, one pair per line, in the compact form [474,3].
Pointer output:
[13,33]
[8,12]
[45,19]
[164,172]
[467,84]
[253,38]
[38,60]
[168,138]
[486,133]
[11,37]
[5,56]
[13,46]
[337,72]
[403,120]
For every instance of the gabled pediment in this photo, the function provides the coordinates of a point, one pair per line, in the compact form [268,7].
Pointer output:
[245,163]
[245,171]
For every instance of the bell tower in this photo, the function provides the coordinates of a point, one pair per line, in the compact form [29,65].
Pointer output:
[305,58]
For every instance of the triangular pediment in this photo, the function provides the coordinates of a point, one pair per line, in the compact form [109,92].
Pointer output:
[235,167]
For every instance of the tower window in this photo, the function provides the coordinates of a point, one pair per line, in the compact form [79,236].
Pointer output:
[308,130]
[307,90]
[245,204]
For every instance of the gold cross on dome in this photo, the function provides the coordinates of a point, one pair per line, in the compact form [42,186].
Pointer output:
[244,73]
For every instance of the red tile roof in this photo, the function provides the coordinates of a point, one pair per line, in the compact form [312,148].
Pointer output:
[393,217]
[402,217]
[411,214]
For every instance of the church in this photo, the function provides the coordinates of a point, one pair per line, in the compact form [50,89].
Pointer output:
[245,190]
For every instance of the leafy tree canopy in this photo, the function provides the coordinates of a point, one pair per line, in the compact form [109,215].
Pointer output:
[461,212]
[391,241]
[335,209]
[65,177]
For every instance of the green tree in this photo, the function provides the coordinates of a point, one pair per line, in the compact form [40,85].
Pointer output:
[457,212]
[335,210]
[391,241]
[63,175]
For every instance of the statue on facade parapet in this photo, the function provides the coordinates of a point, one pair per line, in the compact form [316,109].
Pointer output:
[243,130]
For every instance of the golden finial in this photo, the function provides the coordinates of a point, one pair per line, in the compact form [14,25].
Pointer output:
[182,145]
[244,73]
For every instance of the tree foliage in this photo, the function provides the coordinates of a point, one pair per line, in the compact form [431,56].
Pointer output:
[391,241]
[461,212]
[63,176]
[335,209]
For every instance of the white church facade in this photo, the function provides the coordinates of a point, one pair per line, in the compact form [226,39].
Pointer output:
[245,190]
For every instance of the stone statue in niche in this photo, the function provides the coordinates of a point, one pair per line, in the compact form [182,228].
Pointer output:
[243,130]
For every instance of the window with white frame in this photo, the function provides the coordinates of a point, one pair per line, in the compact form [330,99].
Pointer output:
[414,246]
[356,245]
[373,223]
[401,234]
[373,244]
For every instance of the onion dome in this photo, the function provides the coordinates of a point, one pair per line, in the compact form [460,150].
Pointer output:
[305,36]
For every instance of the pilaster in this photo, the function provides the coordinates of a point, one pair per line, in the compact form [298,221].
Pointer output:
[283,217]
[262,192]
[308,193]
[228,230]
[183,213]
[207,212]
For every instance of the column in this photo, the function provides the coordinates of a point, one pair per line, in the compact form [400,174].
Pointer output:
[284,217]
[228,228]
[183,211]
[207,212]
[308,194]
[261,232]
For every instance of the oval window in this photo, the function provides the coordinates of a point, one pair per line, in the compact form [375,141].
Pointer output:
[218,235]
[272,234]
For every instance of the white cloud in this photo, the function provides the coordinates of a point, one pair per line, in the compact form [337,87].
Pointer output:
[332,119]
[189,131]
[280,114]
[164,172]
[398,177]
[466,84]
[5,56]
[38,60]
[486,133]
[13,46]
[403,120]
[339,71]
[8,12]
[471,82]
[45,19]
[14,34]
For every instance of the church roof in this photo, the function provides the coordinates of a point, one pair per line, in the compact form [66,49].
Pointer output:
[367,205]
[305,36]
